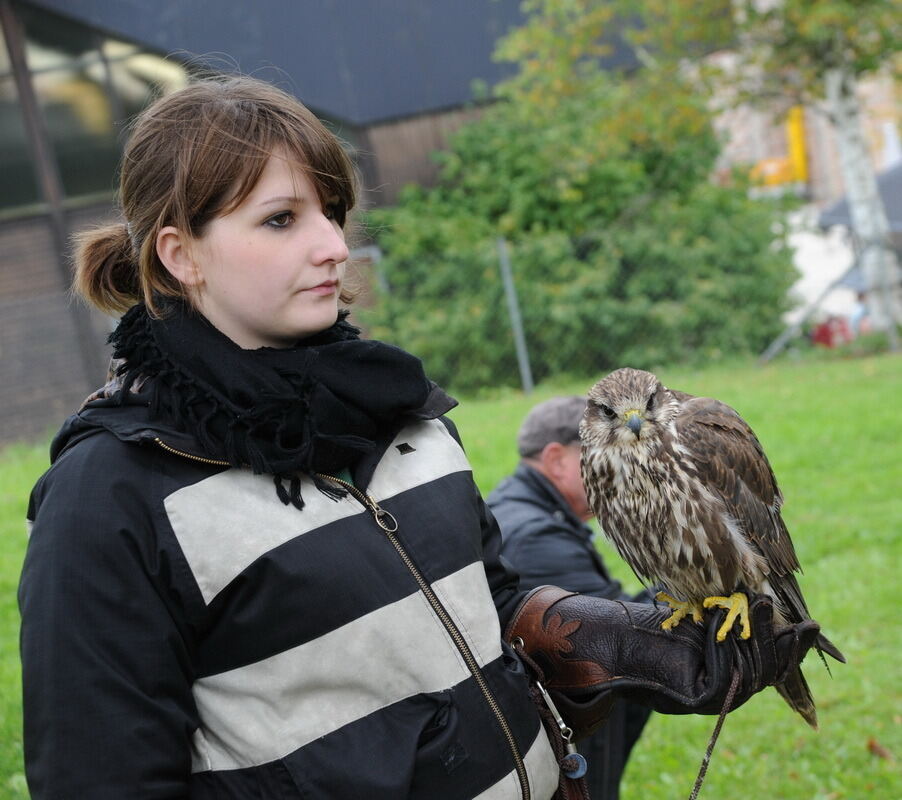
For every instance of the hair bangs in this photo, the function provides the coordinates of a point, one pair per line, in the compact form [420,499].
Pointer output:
[325,162]
[266,130]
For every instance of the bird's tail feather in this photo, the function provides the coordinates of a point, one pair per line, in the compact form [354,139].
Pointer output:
[794,690]
[824,645]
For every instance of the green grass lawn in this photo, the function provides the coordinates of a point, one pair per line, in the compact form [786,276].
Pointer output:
[20,466]
[833,432]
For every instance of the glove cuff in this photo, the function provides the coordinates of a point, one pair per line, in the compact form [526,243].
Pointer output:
[528,615]
[539,636]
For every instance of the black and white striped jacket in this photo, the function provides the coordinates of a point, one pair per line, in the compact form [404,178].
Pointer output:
[186,635]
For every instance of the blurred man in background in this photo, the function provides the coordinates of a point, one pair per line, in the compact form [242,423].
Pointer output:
[542,511]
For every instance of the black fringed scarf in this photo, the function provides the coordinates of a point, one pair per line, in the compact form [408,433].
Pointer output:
[312,408]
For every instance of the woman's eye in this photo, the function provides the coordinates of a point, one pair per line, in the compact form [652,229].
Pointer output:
[281,220]
[334,209]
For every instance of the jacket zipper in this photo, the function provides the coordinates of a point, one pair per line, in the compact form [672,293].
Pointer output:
[214,461]
[389,525]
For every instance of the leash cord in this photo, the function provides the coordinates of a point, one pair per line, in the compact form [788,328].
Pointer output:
[703,769]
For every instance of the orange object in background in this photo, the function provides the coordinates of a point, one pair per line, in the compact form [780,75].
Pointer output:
[792,168]
[773,172]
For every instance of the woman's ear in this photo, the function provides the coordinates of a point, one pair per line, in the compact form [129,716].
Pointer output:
[174,251]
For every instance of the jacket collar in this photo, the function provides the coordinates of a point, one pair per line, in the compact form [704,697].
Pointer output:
[545,490]
[130,421]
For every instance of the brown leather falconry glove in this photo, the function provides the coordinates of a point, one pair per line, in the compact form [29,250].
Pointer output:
[588,651]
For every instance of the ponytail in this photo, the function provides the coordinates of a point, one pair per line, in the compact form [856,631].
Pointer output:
[106,268]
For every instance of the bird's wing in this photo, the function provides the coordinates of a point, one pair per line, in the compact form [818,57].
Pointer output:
[732,464]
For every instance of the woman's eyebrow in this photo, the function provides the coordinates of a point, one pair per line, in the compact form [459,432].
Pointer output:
[282,199]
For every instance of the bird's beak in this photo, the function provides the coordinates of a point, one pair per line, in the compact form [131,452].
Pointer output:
[633,420]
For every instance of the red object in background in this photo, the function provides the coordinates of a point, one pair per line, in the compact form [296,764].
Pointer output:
[833,332]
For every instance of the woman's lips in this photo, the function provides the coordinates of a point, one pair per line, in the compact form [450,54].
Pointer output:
[324,288]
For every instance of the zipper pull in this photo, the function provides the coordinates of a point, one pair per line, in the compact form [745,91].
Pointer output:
[383,518]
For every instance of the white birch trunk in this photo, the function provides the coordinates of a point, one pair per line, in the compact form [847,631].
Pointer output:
[879,264]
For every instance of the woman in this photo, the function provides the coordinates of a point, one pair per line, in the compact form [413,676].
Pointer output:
[258,565]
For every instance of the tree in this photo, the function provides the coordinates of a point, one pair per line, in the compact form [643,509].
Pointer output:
[624,251]
[810,52]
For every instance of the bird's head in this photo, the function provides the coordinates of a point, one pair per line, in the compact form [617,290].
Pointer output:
[627,408]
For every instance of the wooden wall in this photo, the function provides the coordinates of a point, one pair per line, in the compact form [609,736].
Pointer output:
[400,152]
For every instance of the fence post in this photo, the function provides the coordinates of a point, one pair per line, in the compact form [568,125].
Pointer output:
[513,310]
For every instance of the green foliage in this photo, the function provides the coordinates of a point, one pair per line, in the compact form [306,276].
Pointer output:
[784,49]
[799,40]
[556,48]
[633,258]
[622,249]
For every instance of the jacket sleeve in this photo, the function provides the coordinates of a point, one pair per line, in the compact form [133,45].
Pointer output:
[108,710]
[503,579]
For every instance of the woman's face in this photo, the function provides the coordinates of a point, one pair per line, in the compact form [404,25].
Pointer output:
[270,271]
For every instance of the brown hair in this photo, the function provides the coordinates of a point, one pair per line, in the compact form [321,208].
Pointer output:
[193,155]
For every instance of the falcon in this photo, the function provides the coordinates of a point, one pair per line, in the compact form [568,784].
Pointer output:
[682,488]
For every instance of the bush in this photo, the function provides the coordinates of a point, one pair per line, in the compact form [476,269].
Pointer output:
[623,251]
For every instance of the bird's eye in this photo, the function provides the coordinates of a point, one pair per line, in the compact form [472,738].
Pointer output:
[608,411]
[651,403]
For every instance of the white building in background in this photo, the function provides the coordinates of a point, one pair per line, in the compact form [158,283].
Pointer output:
[822,257]
[798,154]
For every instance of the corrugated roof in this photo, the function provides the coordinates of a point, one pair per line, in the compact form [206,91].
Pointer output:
[359,61]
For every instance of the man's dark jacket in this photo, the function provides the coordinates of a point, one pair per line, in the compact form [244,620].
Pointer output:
[548,544]
[545,540]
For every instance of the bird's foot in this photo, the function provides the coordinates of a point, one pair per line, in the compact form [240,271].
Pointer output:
[737,605]
[681,609]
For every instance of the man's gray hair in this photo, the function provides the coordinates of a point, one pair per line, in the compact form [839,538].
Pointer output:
[555,420]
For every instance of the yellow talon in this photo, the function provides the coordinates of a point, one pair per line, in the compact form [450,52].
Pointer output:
[680,610]
[737,605]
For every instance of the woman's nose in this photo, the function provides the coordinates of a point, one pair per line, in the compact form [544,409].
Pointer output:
[331,247]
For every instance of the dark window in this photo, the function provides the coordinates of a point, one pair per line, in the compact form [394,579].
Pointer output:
[88,85]
[79,118]
[70,80]
[138,77]
[52,42]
